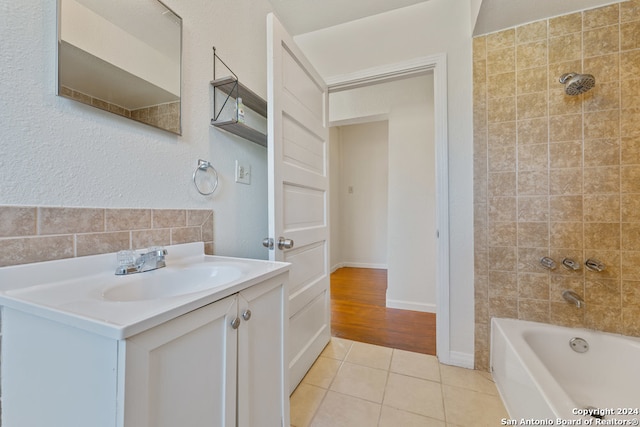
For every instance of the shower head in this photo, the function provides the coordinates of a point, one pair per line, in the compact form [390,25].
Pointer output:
[577,83]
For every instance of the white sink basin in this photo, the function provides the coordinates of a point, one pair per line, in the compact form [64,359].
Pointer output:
[84,292]
[172,283]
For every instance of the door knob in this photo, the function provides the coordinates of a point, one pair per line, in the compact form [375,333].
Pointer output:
[284,243]
[267,242]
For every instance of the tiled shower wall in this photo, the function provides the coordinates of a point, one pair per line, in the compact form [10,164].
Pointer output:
[558,175]
[32,234]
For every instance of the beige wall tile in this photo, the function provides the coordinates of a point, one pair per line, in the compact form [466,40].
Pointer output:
[606,318]
[630,207]
[501,39]
[629,35]
[501,61]
[502,209]
[565,181]
[197,217]
[186,235]
[502,158]
[566,235]
[566,154]
[630,236]
[533,310]
[533,157]
[533,286]
[502,184]
[503,258]
[631,321]
[501,109]
[610,258]
[479,48]
[561,283]
[629,64]
[533,208]
[602,291]
[630,122]
[35,249]
[630,294]
[127,219]
[602,235]
[502,234]
[565,208]
[601,152]
[533,234]
[501,85]
[565,128]
[565,24]
[102,243]
[604,96]
[502,134]
[602,180]
[604,68]
[533,131]
[531,183]
[602,208]
[630,265]
[531,55]
[565,48]
[207,229]
[17,221]
[529,260]
[630,94]
[532,105]
[70,220]
[503,284]
[601,41]
[601,17]
[141,239]
[629,10]
[531,32]
[630,179]
[164,218]
[565,314]
[532,80]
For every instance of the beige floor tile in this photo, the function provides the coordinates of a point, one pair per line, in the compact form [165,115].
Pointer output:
[337,348]
[391,417]
[360,381]
[468,378]
[471,408]
[304,402]
[338,410]
[322,372]
[415,365]
[373,356]
[414,395]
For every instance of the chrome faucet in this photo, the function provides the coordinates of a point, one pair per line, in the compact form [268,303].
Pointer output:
[573,298]
[150,260]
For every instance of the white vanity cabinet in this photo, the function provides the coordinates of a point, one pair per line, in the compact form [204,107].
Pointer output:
[222,364]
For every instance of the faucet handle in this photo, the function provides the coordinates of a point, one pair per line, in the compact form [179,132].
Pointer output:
[594,265]
[157,251]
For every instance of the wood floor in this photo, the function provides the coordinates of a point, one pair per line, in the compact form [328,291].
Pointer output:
[358,313]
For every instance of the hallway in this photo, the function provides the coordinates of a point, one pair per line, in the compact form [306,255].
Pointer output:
[358,313]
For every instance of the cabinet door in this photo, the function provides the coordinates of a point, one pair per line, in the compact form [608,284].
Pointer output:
[262,375]
[175,367]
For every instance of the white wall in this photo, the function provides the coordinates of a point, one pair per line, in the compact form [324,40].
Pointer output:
[432,27]
[335,250]
[57,152]
[364,160]
[411,249]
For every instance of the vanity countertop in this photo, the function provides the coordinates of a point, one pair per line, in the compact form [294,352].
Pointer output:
[84,292]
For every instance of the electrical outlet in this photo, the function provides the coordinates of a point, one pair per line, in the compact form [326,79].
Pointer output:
[243,173]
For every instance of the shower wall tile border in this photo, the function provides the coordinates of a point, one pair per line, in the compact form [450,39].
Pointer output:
[556,175]
[42,233]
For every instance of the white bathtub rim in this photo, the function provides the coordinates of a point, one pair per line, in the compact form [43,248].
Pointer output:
[552,394]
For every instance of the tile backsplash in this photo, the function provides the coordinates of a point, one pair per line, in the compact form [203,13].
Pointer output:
[33,234]
[558,175]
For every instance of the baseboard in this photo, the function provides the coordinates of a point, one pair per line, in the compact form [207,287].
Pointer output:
[408,305]
[463,360]
[359,265]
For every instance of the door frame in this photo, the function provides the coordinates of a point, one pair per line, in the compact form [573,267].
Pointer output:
[438,65]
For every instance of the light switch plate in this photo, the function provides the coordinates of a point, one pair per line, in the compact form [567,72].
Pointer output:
[243,173]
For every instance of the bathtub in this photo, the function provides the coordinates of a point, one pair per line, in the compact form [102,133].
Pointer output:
[541,378]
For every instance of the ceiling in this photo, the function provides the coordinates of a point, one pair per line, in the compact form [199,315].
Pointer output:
[303,16]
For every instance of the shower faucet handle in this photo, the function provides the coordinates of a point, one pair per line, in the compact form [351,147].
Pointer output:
[594,265]
[548,263]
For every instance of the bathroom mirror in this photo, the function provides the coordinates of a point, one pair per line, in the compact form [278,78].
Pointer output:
[122,56]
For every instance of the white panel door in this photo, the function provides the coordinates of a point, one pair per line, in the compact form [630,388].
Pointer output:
[298,193]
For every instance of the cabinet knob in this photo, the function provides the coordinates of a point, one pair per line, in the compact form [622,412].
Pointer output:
[235,323]
[247,314]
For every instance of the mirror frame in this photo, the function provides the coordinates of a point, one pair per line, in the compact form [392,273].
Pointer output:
[112,108]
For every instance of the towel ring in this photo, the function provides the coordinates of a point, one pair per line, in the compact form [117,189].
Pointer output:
[204,165]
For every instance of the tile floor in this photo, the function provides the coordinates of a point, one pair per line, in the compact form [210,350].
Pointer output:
[353,384]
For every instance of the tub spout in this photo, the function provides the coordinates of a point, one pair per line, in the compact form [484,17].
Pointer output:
[573,298]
